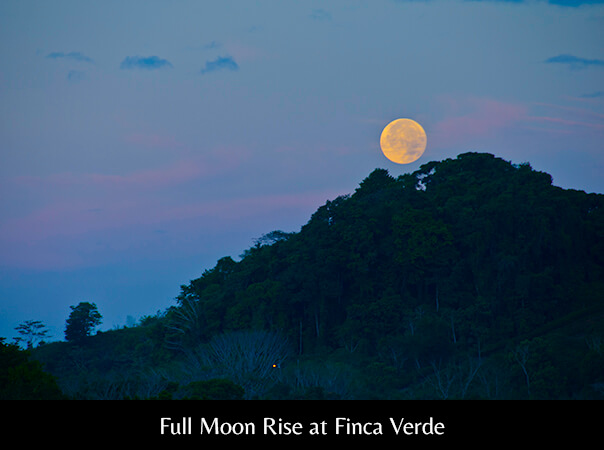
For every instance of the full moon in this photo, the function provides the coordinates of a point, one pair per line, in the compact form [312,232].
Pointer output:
[403,141]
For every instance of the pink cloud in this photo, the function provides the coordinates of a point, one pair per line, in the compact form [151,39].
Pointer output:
[69,204]
[148,178]
[238,208]
[73,232]
[487,123]
[72,205]
[469,119]
[566,122]
[177,173]
[567,119]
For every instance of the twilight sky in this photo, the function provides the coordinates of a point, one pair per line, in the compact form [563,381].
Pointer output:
[140,141]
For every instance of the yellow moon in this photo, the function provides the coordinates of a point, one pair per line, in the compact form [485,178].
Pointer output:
[403,141]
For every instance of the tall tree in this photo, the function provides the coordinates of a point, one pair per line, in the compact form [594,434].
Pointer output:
[83,319]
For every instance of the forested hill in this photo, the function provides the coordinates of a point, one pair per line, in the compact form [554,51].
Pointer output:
[481,250]
[469,278]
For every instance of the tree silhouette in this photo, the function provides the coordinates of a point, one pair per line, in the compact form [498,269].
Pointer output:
[32,331]
[83,319]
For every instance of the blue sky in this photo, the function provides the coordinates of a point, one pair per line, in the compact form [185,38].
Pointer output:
[140,141]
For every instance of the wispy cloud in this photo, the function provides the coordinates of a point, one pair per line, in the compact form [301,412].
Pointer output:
[569,3]
[468,119]
[147,63]
[144,179]
[575,3]
[320,14]
[75,76]
[73,56]
[575,62]
[568,119]
[220,63]
[497,1]
[593,95]
[78,232]
[212,45]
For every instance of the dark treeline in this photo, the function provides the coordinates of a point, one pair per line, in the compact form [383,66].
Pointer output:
[469,278]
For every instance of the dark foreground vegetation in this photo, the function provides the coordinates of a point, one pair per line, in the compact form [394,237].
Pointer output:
[471,278]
